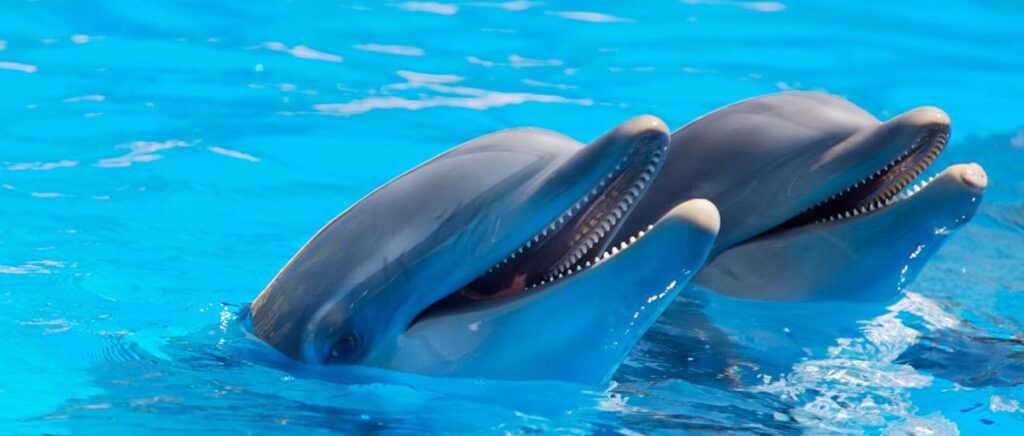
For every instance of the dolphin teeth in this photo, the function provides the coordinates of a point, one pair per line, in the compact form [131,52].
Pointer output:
[623,245]
[615,250]
[632,239]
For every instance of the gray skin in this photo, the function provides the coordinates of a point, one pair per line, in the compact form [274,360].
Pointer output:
[767,160]
[399,279]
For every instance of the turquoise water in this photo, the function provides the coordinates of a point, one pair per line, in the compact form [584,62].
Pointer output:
[160,161]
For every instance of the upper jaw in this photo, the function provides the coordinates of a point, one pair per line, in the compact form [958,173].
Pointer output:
[870,168]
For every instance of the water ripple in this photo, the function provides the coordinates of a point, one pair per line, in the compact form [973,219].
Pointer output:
[457,96]
[16,66]
[400,50]
[303,52]
[431,7]
[590,17]
[140,152]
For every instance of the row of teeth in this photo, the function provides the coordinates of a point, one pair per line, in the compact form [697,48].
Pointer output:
[910,191]
[930,155]
[600,258]
[608,222]
[634,192]
[903,195]
[867,179]
[895,193]
[562,219]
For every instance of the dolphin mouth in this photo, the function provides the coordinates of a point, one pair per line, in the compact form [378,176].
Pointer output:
[575,241]
[883,188]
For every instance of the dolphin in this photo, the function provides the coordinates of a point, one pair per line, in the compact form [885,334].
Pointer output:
[493,259]
[817,197]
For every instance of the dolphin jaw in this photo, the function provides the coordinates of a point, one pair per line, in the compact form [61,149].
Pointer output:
[594,235]
[590,263]
[889,184]
[578,236]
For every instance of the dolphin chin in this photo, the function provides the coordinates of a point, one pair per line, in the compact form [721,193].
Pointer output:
[789,164]
[862,256]
[518,216]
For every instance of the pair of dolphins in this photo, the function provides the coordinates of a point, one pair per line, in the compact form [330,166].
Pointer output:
[523,254]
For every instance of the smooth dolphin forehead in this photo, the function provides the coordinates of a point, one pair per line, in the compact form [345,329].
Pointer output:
[747,157]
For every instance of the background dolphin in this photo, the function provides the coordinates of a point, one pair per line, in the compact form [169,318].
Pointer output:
[817,197]
[506,232]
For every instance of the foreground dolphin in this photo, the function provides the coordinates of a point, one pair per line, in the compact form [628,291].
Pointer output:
[492,260]
[815,195]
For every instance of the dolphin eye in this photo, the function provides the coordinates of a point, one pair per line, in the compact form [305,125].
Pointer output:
[346,349]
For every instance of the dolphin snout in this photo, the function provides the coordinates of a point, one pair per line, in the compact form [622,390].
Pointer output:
[924,116]
[700,214]
[624,136]
[973,175]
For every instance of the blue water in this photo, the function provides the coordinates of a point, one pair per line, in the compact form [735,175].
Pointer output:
[161,160]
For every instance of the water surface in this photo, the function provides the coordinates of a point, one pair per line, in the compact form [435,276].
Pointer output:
[160,161]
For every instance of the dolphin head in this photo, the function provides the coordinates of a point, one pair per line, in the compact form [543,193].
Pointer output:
[512,212]
[794,164]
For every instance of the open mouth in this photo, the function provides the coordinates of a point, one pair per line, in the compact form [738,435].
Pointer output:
[887,186]
[575,241]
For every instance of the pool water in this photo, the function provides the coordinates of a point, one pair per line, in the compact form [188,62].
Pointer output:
[161,160]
